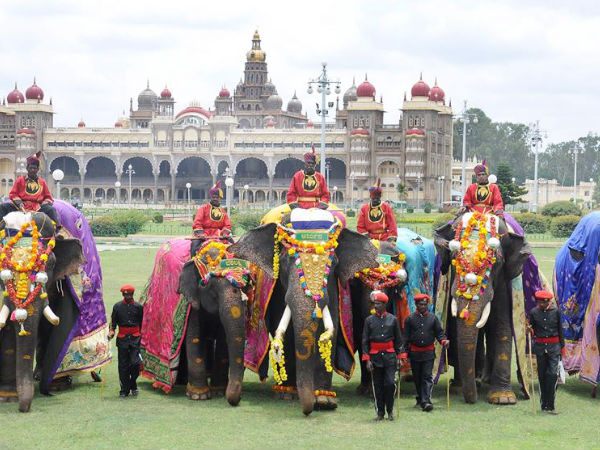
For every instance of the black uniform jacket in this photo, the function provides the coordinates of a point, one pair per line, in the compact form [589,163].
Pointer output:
[420,333]
[127,316]
[381,341]
[547,330]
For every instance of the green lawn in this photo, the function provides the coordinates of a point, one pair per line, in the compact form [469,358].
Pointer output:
[92,416]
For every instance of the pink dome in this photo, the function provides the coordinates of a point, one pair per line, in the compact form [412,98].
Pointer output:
[118,124]
[437,93]
[81,124]
[15,96]
[415,132]
[26,131]
[365,89]
[165,93]
[420,88]
[270,124]
[194,109]
[310,124]
[34,92]
[224,93]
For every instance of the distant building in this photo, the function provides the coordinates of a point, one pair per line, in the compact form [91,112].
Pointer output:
[247,135]
[550,191]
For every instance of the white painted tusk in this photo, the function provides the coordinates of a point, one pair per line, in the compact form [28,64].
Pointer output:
[454,308]
[283,323]
[327,321]
[485,315]
[4,312]
[50,316]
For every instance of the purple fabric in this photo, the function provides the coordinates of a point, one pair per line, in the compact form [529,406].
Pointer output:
[92,314]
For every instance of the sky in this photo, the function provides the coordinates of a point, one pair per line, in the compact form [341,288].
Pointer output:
[519,61]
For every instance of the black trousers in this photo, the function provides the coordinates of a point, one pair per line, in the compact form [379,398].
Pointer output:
[46,208]
[423,376]
[384,381]
[129,363]
[547,366]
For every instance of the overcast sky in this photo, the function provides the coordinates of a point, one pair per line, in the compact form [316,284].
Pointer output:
[519,61]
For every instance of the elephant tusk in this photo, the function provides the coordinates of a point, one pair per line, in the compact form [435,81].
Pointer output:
[4,312]
[327,321]
[283,323]
[50,316]
[485,315]
[454,308]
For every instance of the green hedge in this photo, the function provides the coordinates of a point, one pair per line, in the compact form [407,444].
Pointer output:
[350,213]
[105,226]
[532,223]
[441,220]
[247,220]
[119,223]
[562,208]
[427,208]
[157,218]
[563,226]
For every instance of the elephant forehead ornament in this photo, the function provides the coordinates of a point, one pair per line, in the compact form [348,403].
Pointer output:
[22,271]
[388,274]
[474,257]
[223,265]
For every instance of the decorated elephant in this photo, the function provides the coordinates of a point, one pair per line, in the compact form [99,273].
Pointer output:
[481,257]
[389,277]
[577,289]
[33,266]
[194,320]
[305,261]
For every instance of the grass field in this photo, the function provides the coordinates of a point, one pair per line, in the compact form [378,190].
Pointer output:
[92,416]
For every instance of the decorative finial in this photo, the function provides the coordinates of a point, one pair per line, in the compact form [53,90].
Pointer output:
[435,84]
[353,81]
[148,83]
[404,95]
[366,79]
[421,76]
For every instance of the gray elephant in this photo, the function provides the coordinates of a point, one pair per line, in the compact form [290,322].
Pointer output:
[306,336]
[480,305]
[26,302]
[210,313]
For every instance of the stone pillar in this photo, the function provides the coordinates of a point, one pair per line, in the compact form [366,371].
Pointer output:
[173,194]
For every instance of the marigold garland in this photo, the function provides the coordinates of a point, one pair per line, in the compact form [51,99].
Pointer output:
[382,277]
[278,363]
[325,393]
[239,278]
[325,350]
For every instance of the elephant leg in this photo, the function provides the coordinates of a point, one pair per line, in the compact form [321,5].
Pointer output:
[480,359]
[323,379]
[220,367]
[288,390]
[8,376]
[197,387]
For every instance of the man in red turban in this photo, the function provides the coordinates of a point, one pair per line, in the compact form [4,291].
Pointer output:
[31,193]
[483,196]
[308,188]
[376,219]
[211,220]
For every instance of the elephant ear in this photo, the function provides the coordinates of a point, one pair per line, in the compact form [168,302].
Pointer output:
[69,257]
[189,281]
[354,252]
[387,248]
[256,246]
[441,237]
[516,251]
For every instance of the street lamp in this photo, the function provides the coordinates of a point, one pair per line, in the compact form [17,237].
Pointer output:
[58,175]
[246,187]
[465,117]
[323,88]
[535,139]
[130,172]
[118,189]
[419,181]
[327,175]
[228,185]
[188,187]
[575,152]
[335,188]
[441,188]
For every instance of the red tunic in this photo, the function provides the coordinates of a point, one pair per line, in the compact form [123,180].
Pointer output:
[212,220]
[31,192]
[378,221]
[483,198]
[307,190]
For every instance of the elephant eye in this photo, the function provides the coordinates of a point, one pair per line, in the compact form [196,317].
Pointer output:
[79,224]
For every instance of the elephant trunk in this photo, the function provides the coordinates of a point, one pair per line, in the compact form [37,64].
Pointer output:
[233,316]
[24,364]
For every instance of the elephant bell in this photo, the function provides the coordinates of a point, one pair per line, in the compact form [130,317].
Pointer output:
[20,314]
[401,274]
[454,245]
[41,277]
[493,243]
[6,275]
[471,278]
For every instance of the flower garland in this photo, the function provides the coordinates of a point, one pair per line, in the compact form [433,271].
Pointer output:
[221,247]
[239,278]
[277,358]
[325,393]
[31,272]
[325,350]
[473,275]
[385,276]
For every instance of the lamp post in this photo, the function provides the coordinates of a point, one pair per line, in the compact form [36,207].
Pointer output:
[188,186]
[535,138]
[58,175]
[246,194]
[323,87]
[419,181]
[228,185]
[335,188]
[118,189]
[130,172]
[575,152]
[465,118]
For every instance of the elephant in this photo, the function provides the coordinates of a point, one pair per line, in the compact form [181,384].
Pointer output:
[360,291]
[350,253]
[488,311]
[209,317]
[25,332]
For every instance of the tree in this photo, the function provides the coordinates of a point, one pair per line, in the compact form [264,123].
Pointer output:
[509,190]
[596,194]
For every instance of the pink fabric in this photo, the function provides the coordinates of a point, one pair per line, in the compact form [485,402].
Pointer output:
[257,334]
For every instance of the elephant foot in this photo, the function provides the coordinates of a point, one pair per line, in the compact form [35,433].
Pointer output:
[61,384]
[194,393]
[285,392]
[364,389]
[502,398]
[8,397]
[217,391]
[325,400]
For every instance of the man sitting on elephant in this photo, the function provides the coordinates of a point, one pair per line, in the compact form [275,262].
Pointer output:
[308,188]
[211,220]
[483,196]
[31,193]
[375,219]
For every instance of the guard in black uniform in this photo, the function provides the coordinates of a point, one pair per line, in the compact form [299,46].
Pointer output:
[421,329]
[381,346]
[549,344]
[127,315]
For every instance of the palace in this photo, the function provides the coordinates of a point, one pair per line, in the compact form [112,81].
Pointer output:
[154,152]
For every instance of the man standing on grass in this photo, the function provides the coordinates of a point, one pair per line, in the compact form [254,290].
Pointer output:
[127,315]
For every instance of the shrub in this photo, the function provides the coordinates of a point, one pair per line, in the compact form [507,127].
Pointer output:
[563,226]
[410,210]
[105,226]
[350,213]
[442,220]
[532,223]
[427,208]
[248,219]
[562,208]
[523,210]
[130,221]
[157,218]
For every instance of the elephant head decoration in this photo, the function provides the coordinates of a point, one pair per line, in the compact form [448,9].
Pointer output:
[307,267]
[30,260]
[484,257]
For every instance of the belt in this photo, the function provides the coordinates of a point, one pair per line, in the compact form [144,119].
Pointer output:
[387,346]
[377,231]
[416,348]
[547,340]
[308,199]
[126,331]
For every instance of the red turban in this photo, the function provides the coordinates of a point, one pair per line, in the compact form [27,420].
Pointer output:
[543,295]
[127,288]
[34,159]
[479,168]
[375,190]
[311,157]
[421,297]
[378,296]
[216,189]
